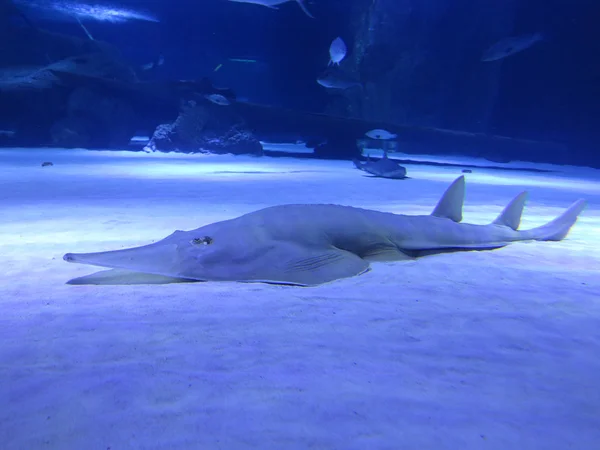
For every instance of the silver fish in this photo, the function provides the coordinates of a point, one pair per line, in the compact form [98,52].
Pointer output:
[217,99]
[151,65]
[273,4]
[337,51]
[510,45]
[380,134]
[337,82]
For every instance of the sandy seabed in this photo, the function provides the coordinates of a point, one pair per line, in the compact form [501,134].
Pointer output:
[479,350]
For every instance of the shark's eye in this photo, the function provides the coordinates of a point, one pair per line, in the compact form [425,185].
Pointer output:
[206,240]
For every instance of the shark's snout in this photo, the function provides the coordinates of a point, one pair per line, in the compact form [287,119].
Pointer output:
[160,258]
[76,257]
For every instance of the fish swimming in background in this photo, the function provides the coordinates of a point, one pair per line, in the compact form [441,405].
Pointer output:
[153,64]
[333,81]
[337,52]
[217,99]
[61,10]
[380,134]
[383,168]
[273,4]
[511,45]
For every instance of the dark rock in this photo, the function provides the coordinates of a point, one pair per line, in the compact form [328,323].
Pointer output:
[203,127]
[161,139]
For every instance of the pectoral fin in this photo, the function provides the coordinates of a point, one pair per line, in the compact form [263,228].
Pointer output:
[312,266]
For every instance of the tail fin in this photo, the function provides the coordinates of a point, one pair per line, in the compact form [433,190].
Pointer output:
[451,204]
[558,229]
[358,164]
[303,6]
[511,215]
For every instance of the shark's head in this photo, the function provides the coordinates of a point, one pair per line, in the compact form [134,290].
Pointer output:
[194,255]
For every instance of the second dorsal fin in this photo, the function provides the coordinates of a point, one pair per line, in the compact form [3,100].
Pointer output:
[451,204]
[511,215]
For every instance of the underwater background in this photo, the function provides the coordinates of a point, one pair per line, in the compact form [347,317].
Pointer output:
[419,63]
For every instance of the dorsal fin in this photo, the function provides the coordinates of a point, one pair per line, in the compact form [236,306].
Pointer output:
[451,204]
[511,214]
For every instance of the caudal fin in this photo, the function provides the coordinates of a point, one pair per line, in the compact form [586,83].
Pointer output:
[303,6]
[558,229]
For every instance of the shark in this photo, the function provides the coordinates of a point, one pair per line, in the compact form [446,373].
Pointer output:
[509,46]
[312,244]
[273,4]
[384,168]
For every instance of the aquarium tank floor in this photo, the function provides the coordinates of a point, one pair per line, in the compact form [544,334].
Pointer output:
[493,350]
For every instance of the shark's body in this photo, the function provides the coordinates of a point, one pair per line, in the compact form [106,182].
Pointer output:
[314,244]
[273,4]
[384,168]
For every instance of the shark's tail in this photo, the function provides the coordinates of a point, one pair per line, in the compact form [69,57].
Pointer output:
[555,230]
[451,204]
[558,228]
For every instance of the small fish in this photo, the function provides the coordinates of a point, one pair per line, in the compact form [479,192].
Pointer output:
[273,4]
[217,99]
[380,134]
[242,60]
[151,65]
[332,81]
[510,45]
[337,51]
